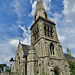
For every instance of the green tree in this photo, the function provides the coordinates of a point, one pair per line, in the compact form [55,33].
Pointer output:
[72,67]
[4,67]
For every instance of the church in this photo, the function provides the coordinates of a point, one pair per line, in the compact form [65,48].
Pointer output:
[45,55]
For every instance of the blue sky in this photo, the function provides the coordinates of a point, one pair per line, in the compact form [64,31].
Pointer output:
[17,16]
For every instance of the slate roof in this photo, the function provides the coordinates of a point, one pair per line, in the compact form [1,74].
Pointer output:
[69,58]
[25,49]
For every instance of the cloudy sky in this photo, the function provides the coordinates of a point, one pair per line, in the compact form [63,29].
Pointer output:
[16,18]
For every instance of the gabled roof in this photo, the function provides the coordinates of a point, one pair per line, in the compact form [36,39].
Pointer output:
[69,58]
[25,49]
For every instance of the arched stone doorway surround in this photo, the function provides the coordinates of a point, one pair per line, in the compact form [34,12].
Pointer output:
[57,71]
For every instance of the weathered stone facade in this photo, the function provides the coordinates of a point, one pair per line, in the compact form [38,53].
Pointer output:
[45,55]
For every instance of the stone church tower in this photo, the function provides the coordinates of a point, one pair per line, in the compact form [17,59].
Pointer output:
[45,56]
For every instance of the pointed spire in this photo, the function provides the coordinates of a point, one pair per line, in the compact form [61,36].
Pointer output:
[40,10]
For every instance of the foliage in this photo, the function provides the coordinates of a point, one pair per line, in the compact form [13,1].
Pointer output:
[72,67]
[4,68]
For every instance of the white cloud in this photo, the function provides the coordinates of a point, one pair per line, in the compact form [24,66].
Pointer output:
[26,35]
[61,38]
[57,17]
[18,7]
[6,52]
[25,40]
[69,5]
[14,43]
[33,9]
[47,4]
[4,58]
[69,10]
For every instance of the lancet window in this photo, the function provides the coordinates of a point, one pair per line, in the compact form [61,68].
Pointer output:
[19,59]
[52,49]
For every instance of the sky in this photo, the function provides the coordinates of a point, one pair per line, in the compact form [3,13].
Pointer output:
[17,16]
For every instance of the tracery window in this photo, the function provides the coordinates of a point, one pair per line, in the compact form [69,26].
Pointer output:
[52,49]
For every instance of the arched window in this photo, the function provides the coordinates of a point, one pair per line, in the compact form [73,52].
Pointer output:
[52,49]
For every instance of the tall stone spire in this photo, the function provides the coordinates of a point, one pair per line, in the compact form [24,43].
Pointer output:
[40,10]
